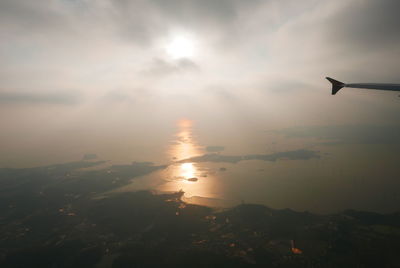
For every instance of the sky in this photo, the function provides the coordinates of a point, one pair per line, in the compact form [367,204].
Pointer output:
[112,77]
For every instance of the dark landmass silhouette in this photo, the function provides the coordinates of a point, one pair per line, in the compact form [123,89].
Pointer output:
[215,149]
[59,216]
[346,134]
[302,154]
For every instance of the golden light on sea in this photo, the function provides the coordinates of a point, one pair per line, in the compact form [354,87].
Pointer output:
[188,170]
[186,176]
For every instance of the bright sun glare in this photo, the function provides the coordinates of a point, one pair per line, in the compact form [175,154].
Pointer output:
[181,47]
[188,170]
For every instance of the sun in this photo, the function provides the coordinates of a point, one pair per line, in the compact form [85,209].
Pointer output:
[181,47]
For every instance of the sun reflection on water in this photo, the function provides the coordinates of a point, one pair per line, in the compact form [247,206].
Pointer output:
[184,147]
[188,170]
[186,176]
[200,182]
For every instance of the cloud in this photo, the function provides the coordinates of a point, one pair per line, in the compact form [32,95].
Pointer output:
[258,65]
[244,39]
[63,98]
[301,154]
[25,16]
[366,25]
[161,67]
[354,40]
[154,16]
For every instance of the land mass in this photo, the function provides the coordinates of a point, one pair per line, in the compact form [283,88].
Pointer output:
[59,216]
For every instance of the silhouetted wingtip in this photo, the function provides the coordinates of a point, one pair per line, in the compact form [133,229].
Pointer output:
[336,85]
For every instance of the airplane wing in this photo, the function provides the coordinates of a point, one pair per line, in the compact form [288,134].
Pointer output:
[337,85]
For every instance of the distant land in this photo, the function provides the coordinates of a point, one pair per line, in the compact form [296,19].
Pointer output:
[59,216]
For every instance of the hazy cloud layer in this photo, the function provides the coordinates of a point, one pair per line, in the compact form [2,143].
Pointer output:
[105,68]
[160,67]
[367,25]
[64,98]
[275,44]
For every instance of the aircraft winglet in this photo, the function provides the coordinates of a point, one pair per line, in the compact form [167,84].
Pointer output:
[336,85]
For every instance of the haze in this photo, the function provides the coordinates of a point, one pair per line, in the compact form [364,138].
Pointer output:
[245,78]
